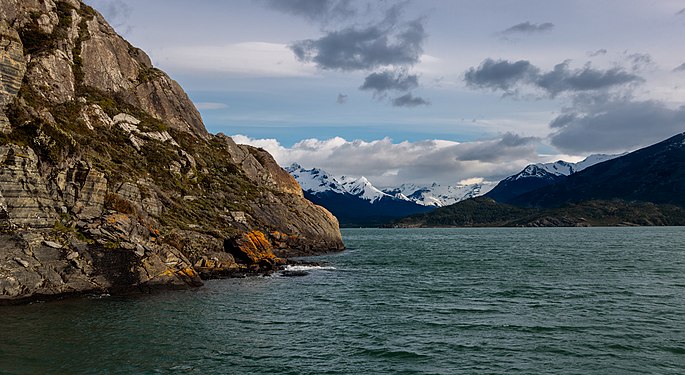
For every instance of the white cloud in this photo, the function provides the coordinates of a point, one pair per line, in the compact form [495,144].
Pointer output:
[248,59]
[387,163]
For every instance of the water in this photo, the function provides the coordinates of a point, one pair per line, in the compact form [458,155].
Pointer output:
[427,301]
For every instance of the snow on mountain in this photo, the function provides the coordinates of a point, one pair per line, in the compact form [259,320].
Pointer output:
[317,181]
[595,159]
[560,167]
[362,188]
[440,195]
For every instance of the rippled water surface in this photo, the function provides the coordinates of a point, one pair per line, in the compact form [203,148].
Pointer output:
[427,301]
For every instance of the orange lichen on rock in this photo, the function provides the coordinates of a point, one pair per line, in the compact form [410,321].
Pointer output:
[256,246]
[252,248]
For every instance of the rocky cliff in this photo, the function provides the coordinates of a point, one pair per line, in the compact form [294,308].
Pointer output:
[109,180]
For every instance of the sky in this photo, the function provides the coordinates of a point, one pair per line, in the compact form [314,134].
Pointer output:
[422,91]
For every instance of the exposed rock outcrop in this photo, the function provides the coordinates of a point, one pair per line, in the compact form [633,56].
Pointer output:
[109,181]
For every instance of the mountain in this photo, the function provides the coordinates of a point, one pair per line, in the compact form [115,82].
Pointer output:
[110,182]
[354,201]
[653,174]
[485,212]
[536,176]
[316,181]
[645,187]
[439,195]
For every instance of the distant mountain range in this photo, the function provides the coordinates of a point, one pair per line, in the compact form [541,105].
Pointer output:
[357,202]
[536,176]
[645,187]
[653,174]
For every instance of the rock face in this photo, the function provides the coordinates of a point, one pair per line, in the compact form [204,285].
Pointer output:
[109,181]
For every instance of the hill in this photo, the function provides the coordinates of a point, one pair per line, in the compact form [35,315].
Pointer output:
[109,180]
[645,187]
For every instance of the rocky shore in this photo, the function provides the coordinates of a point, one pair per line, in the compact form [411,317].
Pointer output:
[109,181]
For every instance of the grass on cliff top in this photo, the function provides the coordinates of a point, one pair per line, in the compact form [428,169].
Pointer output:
[218,185]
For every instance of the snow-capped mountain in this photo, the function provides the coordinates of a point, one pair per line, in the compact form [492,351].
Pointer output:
[362,188]
[316,181]
[562,168]
[354,201]
[539,175]
[439,195]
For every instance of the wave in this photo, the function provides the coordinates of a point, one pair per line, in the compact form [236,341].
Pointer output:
[301,267]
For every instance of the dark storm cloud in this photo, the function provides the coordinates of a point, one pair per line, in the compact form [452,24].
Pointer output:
[528,28]
[390,46]
[388,80]
[680,68]
[562,79]
[315,10]
[510,76]
[409,100]
[615,125]
[364,48]
[500,74]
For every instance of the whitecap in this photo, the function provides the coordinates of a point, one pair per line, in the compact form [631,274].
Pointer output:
[300,267]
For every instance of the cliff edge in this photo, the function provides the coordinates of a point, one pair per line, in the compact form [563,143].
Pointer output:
[109,180]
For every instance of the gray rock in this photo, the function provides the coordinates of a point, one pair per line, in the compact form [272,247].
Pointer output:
[52,244]
[24,263]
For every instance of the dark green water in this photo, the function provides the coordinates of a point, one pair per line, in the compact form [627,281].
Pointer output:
[444,301]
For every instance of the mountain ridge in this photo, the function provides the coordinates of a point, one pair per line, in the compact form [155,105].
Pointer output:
[535,176]
[644,187]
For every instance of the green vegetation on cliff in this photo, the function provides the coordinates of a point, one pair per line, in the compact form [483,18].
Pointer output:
[485,212]
[109,180]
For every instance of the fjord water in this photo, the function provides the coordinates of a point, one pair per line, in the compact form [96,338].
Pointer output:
[410,301]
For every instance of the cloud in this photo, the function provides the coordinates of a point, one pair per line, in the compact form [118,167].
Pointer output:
[388,80]
[599,52]
[245,59]
[681,12]
[409,100]
[116,12]
[528,28]
[365,48]
[640,61]
[500,75]
[562,79]
[210,106]
[680,68]
[342,98]
[315,10]
[390,47]
[509,77]
[387,163]
[615,125]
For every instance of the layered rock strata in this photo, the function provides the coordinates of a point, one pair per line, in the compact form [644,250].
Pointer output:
[110,182]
